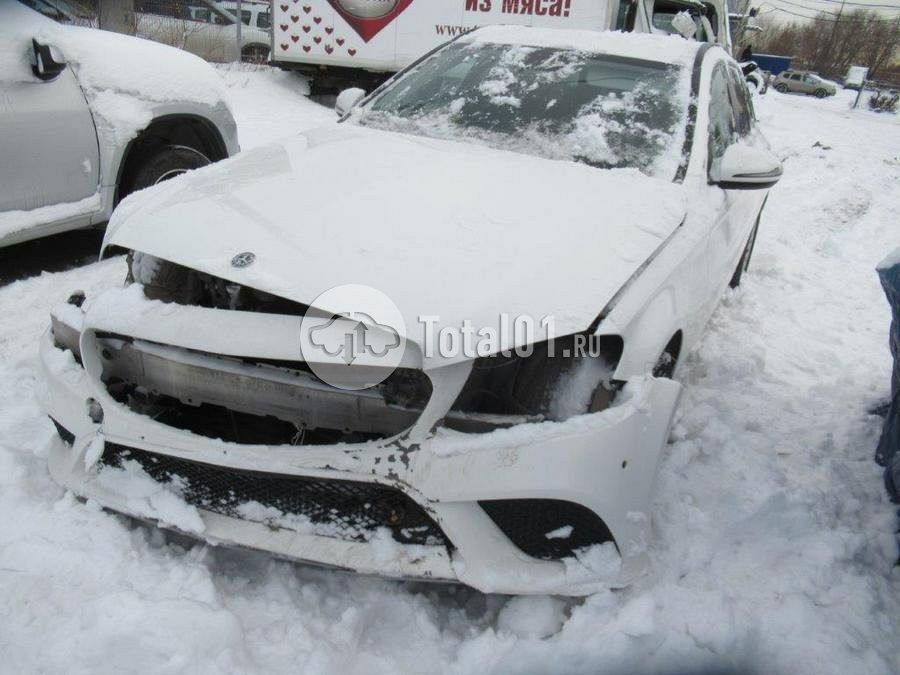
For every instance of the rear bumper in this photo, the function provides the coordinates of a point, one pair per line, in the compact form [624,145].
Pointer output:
[605,462]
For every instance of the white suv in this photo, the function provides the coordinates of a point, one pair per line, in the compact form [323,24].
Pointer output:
[89,116]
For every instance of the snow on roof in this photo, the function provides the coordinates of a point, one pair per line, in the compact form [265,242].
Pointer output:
[663,48]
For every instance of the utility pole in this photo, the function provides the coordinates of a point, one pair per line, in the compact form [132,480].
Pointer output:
[116,16]
[834,30]
[240,23]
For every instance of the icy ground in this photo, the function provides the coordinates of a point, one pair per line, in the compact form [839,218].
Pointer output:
[773,544]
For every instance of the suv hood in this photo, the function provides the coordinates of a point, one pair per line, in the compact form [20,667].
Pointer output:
[449,230]
[110,62]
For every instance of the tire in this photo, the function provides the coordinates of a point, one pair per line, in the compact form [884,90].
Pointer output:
[255,54]
[744,262]
[161,163]
[820,93]
[781,87]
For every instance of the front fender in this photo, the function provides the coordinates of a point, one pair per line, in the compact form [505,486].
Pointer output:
[120,120]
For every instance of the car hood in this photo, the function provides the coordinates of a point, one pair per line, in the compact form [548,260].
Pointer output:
[452,231]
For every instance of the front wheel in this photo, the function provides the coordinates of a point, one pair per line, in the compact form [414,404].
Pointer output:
[820,93]
[255,54]
[162,163]
[781,87]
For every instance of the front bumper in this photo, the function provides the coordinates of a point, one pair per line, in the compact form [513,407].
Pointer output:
[605,462]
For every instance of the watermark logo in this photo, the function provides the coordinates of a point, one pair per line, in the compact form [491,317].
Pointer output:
[353,337]
[347,347]
[244,259]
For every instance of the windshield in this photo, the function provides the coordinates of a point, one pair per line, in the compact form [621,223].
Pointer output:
[602,110]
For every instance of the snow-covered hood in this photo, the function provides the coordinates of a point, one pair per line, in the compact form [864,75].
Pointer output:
[445,229]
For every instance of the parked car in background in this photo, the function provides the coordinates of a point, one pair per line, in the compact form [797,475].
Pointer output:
[89,116]
[205,28]
[522,463]
[256,15]
[801,82]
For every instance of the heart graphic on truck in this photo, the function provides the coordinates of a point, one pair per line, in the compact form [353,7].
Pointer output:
[369,17]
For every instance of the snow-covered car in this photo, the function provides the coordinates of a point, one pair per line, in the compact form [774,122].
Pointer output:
[800,82]
[90,116]
[608,186]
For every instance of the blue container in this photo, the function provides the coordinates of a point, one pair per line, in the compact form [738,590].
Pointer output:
[774,64]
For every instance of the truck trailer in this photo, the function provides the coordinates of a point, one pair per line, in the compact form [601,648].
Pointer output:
[339,42]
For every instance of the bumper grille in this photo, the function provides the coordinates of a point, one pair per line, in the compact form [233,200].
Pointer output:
[528,522]
[340,509]
[254,401]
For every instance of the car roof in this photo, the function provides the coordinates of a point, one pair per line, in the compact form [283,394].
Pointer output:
[663,48]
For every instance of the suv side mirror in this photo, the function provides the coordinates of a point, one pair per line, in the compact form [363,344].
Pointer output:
[348,99]
[744,167]
[47,65]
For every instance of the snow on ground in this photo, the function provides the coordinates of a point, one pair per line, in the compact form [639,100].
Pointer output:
[773,544]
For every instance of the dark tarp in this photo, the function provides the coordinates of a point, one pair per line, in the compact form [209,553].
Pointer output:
[888,452]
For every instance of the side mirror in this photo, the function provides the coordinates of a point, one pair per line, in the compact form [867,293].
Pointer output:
[744,167]
[348,99]
[47,63]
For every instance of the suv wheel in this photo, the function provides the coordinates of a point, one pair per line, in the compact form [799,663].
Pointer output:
[255,54]
[782,87]
[165,162]
[820,93]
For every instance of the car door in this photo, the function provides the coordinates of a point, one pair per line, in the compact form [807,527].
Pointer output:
[746,203]
[730,121]
[48,143]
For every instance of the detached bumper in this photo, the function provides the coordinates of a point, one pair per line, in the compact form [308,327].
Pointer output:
[604,463]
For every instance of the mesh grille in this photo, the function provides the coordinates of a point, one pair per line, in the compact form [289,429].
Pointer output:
[341,509]
[527,522]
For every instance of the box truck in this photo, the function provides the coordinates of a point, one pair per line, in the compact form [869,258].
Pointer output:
[343,41]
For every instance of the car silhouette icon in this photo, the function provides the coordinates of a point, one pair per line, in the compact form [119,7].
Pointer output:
[348,336]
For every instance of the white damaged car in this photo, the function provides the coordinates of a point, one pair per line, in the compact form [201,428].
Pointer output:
[89,116]
[517,240]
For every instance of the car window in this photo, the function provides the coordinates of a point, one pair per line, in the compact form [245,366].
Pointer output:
[741,103]
[722,126]
[220,19]
[264,21]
